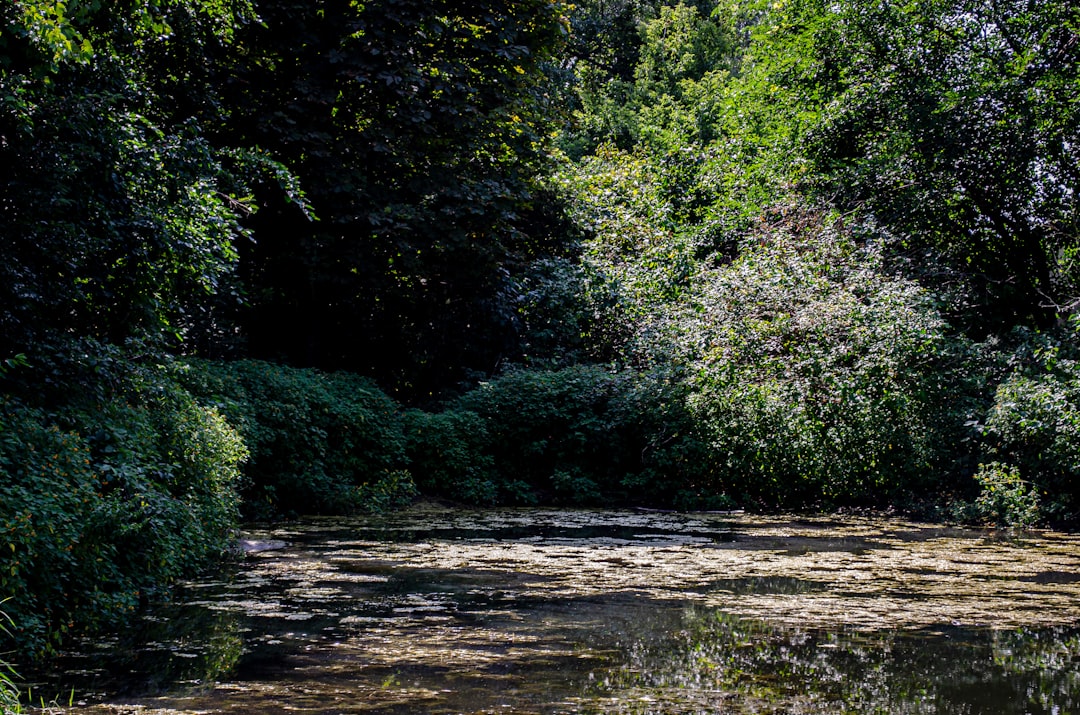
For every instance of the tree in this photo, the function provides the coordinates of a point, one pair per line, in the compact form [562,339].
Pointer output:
[118,223]
[956,123]
[117,218]
[638,68]
[416,129]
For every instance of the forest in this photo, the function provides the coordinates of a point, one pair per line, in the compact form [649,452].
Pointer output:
[265,258]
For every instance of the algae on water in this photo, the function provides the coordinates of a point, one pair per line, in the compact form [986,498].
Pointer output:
[551,611]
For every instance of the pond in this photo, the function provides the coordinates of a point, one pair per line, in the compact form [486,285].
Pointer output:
[548,611]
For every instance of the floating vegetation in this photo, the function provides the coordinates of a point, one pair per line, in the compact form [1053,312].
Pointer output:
[547,611]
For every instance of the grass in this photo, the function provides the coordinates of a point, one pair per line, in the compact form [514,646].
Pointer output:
[9,690]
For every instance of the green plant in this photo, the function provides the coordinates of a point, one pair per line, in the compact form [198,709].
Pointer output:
[819,377]
[9,690]
[393,490]
[319,442]
[1005,499]
[1034,421]
[543,425]
[450,455]
[579,435]
[110,493]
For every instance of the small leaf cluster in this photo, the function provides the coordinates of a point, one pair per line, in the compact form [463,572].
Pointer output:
[1005,499]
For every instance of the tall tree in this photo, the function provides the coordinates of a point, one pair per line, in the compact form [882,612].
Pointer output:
[116,217]
[956,123]
[416,128]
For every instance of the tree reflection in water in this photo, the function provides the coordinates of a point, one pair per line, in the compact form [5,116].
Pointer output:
[715,659]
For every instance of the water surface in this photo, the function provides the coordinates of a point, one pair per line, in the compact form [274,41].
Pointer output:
[435,611]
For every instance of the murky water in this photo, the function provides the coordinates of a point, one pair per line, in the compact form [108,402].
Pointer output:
[540,611]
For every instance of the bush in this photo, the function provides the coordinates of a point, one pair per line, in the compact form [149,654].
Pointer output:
[109,496]
[580,435]
[1034,423]
[819,378]
[553,312]
[1005,499]
[320,443]
[545,425]
[449,454]
[668,460]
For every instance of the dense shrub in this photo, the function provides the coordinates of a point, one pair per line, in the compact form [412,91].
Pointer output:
[552,434]
[555,311]
[551,430]
[580,435]
[108,496]
[1034,423]
[1005,499]
[449,454]
[319,442]
[639,256]
[117,481]
[673,463]
[820,378]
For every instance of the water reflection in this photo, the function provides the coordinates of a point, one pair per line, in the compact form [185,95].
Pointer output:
[174,648]
[944,670]
[534,611]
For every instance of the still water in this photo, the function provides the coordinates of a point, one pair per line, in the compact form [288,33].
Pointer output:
[544,611]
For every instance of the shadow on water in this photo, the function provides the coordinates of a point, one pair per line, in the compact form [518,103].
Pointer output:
[550,533]
[630,614]
[751,585]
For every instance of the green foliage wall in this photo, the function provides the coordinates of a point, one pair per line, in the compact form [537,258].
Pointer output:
[319,442]
[1033,426]
[820,376]
[818,352]
[579,435]
[118,214]
[106,498]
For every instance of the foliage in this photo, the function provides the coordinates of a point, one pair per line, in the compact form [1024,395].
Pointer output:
[951,122]
[639,70]
[670,460]
[554,313]
[107,497]
[392,490]
[678,45]
[1034,423]
[578,435]
[637,256]
[417,129]
[942,132]
[817,375]
[1005,499]
[694,107]
[9,691]
[113,197]
[752,272]
[552,430]
[449,452]
[319,443]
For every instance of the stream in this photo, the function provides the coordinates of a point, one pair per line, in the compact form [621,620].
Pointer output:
[440,611]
